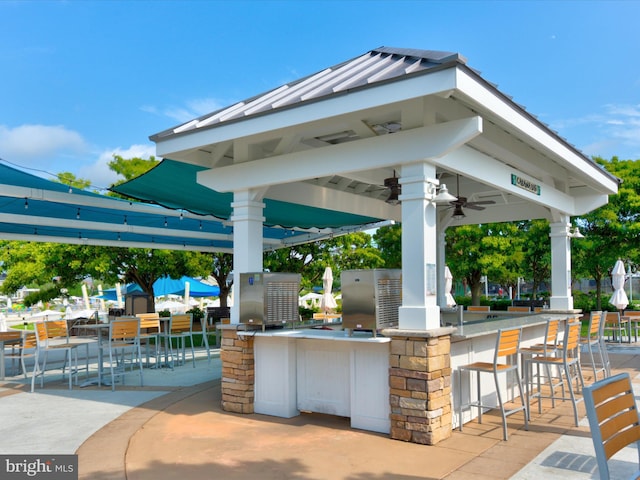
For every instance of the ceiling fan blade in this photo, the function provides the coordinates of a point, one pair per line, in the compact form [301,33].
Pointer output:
[473,206]
[482,202]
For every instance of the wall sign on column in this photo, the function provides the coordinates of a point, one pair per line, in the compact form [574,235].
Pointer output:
[525,184]
[431,279]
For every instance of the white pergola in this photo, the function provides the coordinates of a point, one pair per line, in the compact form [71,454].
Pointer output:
[331,139]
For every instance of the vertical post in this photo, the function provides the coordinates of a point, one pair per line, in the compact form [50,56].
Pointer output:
[561,298]
[419,310]
[248,222]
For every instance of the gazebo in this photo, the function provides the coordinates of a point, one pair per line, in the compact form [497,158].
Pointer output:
[376,138]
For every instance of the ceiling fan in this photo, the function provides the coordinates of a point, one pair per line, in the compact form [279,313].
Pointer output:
[462,202]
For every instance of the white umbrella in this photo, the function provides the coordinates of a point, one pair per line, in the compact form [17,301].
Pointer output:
[448,283]
[327,303]
[48,315]
[619,298]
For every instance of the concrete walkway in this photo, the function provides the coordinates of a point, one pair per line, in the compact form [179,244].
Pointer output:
[174,428]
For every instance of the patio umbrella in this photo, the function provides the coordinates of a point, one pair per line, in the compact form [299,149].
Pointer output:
[619,298]
[448,283]
[327,303]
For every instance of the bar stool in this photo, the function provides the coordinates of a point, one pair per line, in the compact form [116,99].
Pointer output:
[570,358]
[507,345]
[595,340]
[548,348]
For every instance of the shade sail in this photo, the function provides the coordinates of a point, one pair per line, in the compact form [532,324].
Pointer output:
[36,209]
[173,184]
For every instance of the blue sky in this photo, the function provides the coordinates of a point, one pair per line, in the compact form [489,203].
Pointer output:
[81,80]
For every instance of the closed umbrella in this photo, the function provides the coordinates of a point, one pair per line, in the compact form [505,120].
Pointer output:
[619,298]
[327,303]
[448,283]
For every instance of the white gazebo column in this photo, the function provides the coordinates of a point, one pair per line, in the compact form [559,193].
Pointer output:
[440,252]
[248,223]
[561,298]
[419,310]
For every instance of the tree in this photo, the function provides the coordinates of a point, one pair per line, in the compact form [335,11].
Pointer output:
[221,268]
[131,168]
[611,231]
[70,179]
[488,249]
[536,261]
[389,242]
[351,251]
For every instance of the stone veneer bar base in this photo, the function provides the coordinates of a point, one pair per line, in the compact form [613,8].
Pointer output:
[238,370]
[420,385]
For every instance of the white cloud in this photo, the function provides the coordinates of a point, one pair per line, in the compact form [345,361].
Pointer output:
[99,172]
[190,110]
[615,130]
[39,143]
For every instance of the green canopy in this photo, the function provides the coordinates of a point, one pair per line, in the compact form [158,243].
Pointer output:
[173,184]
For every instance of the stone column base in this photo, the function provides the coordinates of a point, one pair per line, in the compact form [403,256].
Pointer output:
[238,371]
[420,385]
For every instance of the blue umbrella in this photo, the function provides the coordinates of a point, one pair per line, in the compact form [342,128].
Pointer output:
[169,286]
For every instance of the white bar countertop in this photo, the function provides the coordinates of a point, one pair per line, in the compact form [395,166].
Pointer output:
[487,326]
[317,334]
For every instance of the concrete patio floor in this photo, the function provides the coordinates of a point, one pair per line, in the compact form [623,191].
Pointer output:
[173,427]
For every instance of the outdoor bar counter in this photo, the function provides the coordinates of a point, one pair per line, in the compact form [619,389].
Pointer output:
[332,372]
[475,341]
[323,371]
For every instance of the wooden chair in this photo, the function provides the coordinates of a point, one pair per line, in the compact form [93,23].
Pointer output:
[123,341]
[507,349]
[150,332]
[43,348]
[633,317]
[11,340]
[595,341]
[181,329]
[613,419]
[518,309]
[478,308]
[205,330]
[568,365]
[615,327]
[58,334]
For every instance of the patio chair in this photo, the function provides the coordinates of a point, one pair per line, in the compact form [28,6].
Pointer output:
[58,334]
[595,341]
[123,346]
[615,327]
[613,419]
[568,365]
[11,343]
[43,348]
[181,329]
[205,330]
[150,333]
[507,349]
[633,316]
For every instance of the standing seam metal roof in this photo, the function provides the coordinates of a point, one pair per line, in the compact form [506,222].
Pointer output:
[376,66]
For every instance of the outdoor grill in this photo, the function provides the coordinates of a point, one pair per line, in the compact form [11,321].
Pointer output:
[371,299]
[269,299]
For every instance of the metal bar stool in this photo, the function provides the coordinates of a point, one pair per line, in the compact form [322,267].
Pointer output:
[570,359]
[595,341]
[507,348]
